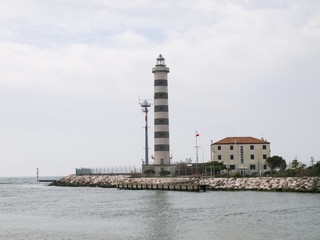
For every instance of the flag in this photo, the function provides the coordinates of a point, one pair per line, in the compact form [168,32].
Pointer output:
[197,134]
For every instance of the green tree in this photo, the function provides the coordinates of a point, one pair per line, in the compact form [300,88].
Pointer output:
[217,166]
[283,165]
[276,162]
[317,168]
[314,169]
[298,167]
[295,163]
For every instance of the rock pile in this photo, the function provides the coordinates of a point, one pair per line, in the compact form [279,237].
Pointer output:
[90,181]
[112,181]
[304,184]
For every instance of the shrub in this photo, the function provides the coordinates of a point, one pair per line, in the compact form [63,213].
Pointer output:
[149,172]
[237,175]
[164,173]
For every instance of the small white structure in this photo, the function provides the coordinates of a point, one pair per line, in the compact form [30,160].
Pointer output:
[245,155]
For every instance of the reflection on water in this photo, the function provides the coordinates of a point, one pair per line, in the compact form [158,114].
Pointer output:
[159,221]
[31,211]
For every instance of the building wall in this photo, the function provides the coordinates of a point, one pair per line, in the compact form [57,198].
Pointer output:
[223,153]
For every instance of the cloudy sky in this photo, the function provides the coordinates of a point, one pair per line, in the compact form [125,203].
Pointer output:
[71,73]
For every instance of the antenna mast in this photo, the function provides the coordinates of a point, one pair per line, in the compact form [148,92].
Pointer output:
[144,105]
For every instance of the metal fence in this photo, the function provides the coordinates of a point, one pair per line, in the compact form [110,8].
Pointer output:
[122,170]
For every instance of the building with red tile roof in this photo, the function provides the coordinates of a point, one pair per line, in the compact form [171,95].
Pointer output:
[245,155]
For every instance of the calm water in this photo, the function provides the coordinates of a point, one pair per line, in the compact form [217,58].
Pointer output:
[30,210]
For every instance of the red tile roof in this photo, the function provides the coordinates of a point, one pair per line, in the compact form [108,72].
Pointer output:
[241,140]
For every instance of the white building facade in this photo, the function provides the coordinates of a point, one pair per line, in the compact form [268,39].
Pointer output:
[245,155]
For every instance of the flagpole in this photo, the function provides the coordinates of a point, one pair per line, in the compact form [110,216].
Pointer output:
[197,158]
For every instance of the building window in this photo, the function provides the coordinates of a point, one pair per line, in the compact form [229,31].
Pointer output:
[232,167]
[241,155]
[219,157]
[251,147]
[219,147]
[161,161]
[264,156]
[264,147]
[231,147]
[231,157]
[252,156]
[264,166]
[252,167]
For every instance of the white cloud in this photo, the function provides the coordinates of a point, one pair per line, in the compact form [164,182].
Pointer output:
[71,73]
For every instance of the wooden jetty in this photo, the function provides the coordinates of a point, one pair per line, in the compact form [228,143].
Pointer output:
[166,187]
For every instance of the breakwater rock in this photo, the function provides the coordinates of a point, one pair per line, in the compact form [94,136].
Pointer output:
[112,181]
[295,184]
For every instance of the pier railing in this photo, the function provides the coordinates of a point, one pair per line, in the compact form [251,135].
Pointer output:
[122,170]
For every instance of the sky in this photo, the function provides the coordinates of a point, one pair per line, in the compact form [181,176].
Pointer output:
[72,72]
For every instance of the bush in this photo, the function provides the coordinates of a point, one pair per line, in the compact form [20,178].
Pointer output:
[237,175]
[269,173]
[164,173]
[149,172]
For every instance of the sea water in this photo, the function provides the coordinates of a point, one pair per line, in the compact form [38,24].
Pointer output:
[30,210]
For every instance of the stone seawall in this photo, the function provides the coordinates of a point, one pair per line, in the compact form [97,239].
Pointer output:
[295,184]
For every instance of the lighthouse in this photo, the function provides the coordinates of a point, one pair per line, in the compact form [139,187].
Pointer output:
[161,113]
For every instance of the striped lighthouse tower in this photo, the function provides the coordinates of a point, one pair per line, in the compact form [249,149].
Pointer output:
[161,114]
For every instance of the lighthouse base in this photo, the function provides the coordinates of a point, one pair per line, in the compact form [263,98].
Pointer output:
[159,170]
[178,169]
